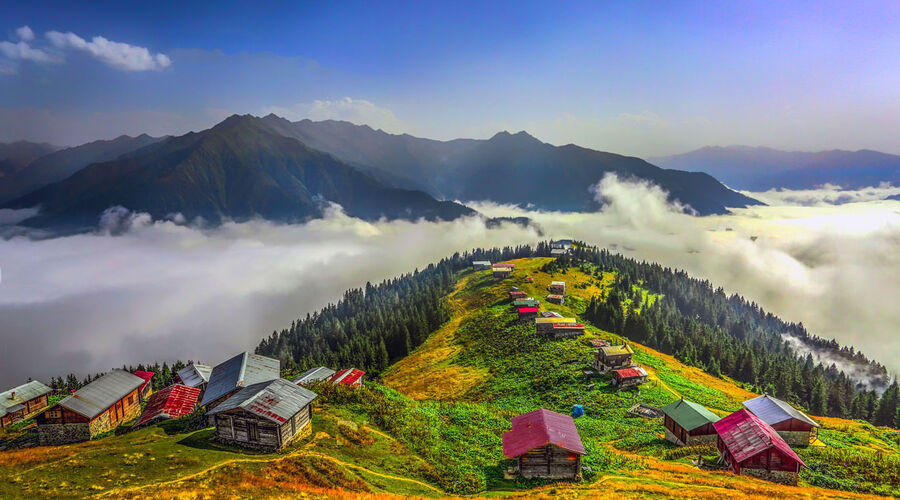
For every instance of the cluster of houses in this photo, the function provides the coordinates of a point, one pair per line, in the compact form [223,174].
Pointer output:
[244,397]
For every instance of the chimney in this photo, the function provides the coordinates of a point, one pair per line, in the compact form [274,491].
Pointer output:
[12,395]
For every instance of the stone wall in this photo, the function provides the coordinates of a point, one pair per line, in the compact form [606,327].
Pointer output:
[55,434]
[701,440]
[795,438]
[776,476]
[672,438]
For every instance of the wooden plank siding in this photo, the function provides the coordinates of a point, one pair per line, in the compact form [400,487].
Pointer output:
[32,407]
[242,428]
[549,461]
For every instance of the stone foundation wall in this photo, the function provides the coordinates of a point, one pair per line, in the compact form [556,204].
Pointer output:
[795,438]
[56,434]
[776,476]
[672,438]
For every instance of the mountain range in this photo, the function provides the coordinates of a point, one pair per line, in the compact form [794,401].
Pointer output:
[269,167]
[760,168]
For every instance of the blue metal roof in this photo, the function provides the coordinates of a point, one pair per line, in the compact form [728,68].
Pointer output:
[773,410]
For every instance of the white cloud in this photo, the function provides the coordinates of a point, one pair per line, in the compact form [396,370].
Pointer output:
[117,55]
[829,194]
[25,34]
[24,52]
[358,111]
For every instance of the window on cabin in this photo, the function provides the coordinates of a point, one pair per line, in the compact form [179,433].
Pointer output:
[57,413]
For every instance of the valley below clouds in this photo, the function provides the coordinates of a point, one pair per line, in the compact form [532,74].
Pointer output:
[140,290]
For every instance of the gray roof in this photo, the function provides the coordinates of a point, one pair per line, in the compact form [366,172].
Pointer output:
[240,371]
[194,374]
[24,392]
[773,410]
[96,397]
[481,262]
[276,400]
[314,375]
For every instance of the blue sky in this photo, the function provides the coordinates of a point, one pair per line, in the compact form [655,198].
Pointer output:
[643,78]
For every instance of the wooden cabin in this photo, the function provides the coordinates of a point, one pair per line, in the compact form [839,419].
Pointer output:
[556,299]
[517,295]
[561,330]
[96,408]
[544,326]
[558,287]
[240,371]
[147,387]
[314,375]
[195,375]
[23,402]
[348,376]
[481,265]
[502,272]
[545,444]
[612,357]
[689,424]
[528,313]
[752,447]
[625,378]
[265,416]
[791,424]
[171,402]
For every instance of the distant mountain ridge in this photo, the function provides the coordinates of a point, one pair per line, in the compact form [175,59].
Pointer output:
[507,168]
[761,168]
[15,156]
[55,166]
[239,169]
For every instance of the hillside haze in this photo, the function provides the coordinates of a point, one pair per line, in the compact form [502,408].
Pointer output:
[760,168]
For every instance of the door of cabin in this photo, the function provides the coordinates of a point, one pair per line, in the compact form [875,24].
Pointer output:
[252,432]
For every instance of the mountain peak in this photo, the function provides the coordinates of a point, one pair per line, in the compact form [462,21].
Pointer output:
[519,137]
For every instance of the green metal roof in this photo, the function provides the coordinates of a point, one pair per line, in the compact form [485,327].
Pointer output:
[689,415]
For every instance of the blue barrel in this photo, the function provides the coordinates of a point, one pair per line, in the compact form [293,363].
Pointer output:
[577,411]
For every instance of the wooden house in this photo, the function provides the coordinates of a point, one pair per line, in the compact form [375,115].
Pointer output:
[265,416]
[791,424]
[314,375]
[689,424]
[171,402]
[545,444]
[517,294]
[544,326]
[195,375]
[625,378]
[747,445]
[561,330]
[558,287]
[481,265]
[502,272]
[23,402]
[612,357]
[529,302]
[147,387]
[528,313]
[348,376]
[556,299]
[240,371]
[94,409]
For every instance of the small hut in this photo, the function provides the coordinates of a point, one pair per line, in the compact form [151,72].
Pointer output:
[172,402]
[22,402]
[556,299]
[527,313]
[558,287]
[266,416]
[195,375]
[626,378]
[791,424]
[752,447]
[612,357]
[545,444]
[348,376]
[689,424]
[314,375]
[481,265]
[502,272]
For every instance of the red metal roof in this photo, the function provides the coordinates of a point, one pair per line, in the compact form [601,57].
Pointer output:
[745,436]
[504,264]
[347,376]
[147,376]
[524,310]
[172,402]
[538,428]
[630,372]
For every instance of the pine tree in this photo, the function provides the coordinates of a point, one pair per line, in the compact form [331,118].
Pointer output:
[818,397]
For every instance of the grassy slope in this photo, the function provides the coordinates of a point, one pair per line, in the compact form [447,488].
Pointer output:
[434,427]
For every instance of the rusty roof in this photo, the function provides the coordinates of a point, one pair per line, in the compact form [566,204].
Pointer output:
[276,400]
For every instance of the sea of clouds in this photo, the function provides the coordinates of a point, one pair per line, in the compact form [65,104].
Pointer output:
[139,290]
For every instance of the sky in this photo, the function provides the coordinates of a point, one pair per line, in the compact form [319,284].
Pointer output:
[639,78]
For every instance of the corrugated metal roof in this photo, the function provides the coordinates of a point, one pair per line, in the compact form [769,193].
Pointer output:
[529,302]
[240,371]
[504,264]
[172,402]
[347,376]
[195,374]
[481,262]
[24,392]
[539,428]
[631,372]
[276,400]
[773,410]
[314,375]
[557,283]
[689,415]
[96,397]
[746,435]
[556,320]
[147,376]
[616,350]
[528,310]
